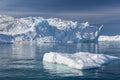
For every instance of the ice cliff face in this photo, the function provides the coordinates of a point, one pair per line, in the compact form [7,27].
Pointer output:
[45,30]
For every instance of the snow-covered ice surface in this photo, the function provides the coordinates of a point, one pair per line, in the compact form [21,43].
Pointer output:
[79,60]
[45,30]
[109,38]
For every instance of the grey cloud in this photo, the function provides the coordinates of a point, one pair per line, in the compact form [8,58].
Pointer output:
[66,9]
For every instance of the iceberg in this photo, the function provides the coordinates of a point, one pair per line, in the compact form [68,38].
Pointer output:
[109,38]
[79,60]
[40,29]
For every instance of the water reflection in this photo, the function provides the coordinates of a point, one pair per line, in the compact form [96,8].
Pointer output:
[5,53]
[23,51]
[72,48]
[110,48]
[61,70]
[26,55]
[88,47]
[19,54]
[29,56]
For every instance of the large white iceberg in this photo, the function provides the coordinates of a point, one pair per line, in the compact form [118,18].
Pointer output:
[45,30]
[79,60]
[109,38]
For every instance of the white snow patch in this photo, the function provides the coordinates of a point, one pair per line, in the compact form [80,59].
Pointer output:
[78,35]
[86,24]
[61,24]
[46,39]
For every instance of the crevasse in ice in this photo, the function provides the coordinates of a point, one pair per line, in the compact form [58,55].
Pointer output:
[45,30]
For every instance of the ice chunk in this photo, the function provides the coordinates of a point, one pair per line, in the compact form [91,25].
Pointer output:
[109,38]
[79,60]
[5,38]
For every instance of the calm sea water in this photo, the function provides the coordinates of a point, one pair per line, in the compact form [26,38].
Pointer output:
[23,61]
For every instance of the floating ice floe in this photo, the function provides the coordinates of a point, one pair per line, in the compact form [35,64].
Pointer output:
[79,60]
[109,38]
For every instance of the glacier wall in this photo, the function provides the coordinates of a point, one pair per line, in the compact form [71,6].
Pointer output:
[39,29]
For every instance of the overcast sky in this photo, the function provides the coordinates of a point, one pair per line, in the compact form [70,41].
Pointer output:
[94,11]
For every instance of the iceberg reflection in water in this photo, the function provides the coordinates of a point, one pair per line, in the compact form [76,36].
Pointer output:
[25,60]
[61,70]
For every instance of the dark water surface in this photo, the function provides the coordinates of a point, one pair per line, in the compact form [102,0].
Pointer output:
[23,61]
